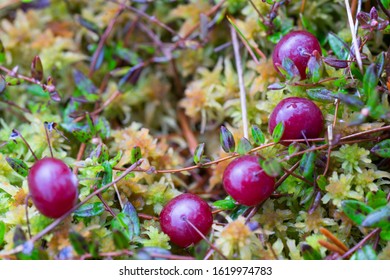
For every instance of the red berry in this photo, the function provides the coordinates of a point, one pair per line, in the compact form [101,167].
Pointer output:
[300,116]
[53,187]
[246,182]
[297,46]
[186,207]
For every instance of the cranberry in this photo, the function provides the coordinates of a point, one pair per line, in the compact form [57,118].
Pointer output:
[300,116]
[53,187]
[246,182]
[178,215]
[297,46]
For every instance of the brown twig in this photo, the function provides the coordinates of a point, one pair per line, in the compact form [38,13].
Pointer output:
[79,156]
[360,244]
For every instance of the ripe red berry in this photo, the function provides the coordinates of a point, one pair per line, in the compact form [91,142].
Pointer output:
[186,207]
[300,116]
[53,187]
[297,46]
[246,182]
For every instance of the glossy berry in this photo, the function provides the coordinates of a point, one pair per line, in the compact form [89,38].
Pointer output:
[246,182]
[300,117]
[186,207]
[297,46]
[53,187]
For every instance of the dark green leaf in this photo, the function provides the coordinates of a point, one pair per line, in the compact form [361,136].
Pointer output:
[238,211]
[2,232]
[121,241]
[2,52]
[370,81]
[37,69]
[278,132]
[90,124]
[338,46]
[365,253]
[78,242]
[309,253]
[225,204]
[351,101]
[355,210]
[127,221]
[376,199]
[103,127]
[293,148]
[227,140]
[136,154]
[322,182]
[198,153]
[82,135]
[272,167]
[3,84]
[257,135]
[382,149]
[385,234]
[307,165]
[378,218]
[380,63]
[290,69]
[84,84]
[244,146]
[321,95]
[314,69]
[19,166]
[89,210]
[107,173]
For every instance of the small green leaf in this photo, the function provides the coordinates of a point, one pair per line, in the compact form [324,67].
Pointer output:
[89,210]
[382,149]
[378,218]
[106,174]
[37,69]
[365,253]
[90,124]
[238,211]
[322,182]
[244,146]
[293,148]
[19,166]
[278,132]
[121,241]
[385,234]
[307,165]
[127,222]
[227,140]
[257,135]
[338,46]
[78,242]
[272,167]
[370,81]
[355,210]
[115,160]
[376,199]
[309,253]
[225,204]
[198,153]
[314,69]
[82,135]
[2,232]
[3,84]
[290,69]
[321,95]
[2,52]
[136,154]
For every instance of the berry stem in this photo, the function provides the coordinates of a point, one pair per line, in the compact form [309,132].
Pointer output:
[25,142]
[48,140]
[205,238]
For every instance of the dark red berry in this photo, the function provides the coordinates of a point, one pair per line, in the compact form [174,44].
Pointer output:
[176,216]
[53,187]
[246,182]
[297,46]
[300,116]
